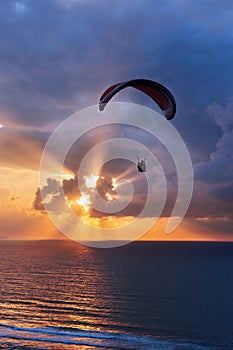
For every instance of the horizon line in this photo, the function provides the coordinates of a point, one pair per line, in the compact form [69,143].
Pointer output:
[128,242]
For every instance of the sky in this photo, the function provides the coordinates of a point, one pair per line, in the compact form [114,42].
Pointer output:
[58,56]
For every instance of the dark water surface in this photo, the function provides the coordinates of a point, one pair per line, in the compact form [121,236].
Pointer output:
[60,295]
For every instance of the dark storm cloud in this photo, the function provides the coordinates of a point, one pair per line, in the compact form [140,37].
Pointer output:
[57,56]
[217,171]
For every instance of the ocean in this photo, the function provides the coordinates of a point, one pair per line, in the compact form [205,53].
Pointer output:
[145,295]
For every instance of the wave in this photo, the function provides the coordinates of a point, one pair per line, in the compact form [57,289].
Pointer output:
[97,339]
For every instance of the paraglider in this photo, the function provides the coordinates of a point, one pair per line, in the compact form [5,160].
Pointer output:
[159,94]
[141,165]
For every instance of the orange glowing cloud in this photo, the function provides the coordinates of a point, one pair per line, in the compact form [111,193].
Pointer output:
[25,224]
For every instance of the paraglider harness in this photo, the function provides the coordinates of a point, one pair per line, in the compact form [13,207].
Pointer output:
[141,165]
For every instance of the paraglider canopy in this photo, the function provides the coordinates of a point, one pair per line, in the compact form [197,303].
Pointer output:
[159,93]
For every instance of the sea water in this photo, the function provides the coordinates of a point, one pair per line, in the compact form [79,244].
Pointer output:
[145,295]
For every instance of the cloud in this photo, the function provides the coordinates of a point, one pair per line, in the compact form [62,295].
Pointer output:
[30,225]
[51,196]
[85,203]
[20,183]
[4,194]
[37,202]
[222,116]
[21,148]
[59,56]
[217,172]
[194,229]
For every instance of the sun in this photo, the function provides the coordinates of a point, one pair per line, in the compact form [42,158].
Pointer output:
[82,205]
[91,181]
[85,202]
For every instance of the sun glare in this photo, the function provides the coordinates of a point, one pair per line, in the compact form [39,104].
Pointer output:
[108,196]
[85,202]
[114,184]
[91,181]
[68,177]
[82,205]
